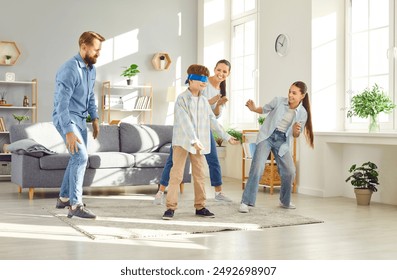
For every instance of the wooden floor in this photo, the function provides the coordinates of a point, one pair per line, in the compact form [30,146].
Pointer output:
[349,232]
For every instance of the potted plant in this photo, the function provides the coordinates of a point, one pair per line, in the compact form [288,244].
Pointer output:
[369,104]
[364,179]
[131,71]
[236,134]
[8,59]
[20,118]
[218,139]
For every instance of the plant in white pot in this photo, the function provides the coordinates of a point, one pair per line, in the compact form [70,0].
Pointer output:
[131,71]
[369,104]
[364,179]
[8,59]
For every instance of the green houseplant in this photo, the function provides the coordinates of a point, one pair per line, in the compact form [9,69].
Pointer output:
[261,120]
[131,71]
[20,118]
[369,104]
[236,134]
[364,179]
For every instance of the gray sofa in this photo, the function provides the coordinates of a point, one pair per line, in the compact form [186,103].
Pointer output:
[124,155]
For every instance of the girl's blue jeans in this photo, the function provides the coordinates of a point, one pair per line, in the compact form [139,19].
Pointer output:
[285,166]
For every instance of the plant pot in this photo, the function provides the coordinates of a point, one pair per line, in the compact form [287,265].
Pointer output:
[8,61]
[221,151]
[363,196]
[128,82]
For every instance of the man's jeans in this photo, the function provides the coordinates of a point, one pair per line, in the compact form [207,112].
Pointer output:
[72,184]
[285,165]
[212,161]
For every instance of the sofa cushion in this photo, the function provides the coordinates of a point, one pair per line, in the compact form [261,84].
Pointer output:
[29,147]
[136,138]
[111,160]
[107,140]
[43,133]
[54,162]
[166,148]
[150,159]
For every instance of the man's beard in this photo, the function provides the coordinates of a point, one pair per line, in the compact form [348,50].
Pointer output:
[90,60]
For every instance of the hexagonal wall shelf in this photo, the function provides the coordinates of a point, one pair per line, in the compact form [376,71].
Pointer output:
[161,61]
[8,48]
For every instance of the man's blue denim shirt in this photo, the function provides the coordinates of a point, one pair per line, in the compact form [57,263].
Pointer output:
[74,94]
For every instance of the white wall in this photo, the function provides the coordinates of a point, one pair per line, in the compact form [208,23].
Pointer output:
[276,73]
[47,33]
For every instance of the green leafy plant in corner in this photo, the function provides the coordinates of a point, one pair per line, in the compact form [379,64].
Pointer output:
[20,118]
[131,71]
[236,134]
[364,176]
[370,103]
[8,56]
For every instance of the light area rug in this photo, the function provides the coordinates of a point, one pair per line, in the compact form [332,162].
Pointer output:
[123,218]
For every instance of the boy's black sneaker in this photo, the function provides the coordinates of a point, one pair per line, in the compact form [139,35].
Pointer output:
[204,212]
[168,215]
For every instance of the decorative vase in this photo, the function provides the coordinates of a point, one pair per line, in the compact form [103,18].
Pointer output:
[25,101]
[374,124]
[363,196]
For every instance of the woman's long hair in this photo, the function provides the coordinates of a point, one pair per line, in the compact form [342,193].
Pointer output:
[222,86]
[306,104]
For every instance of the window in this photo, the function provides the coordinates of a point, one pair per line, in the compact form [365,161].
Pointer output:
[369,52]
[244,61]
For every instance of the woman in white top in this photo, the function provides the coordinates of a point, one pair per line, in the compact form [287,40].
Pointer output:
[216,94]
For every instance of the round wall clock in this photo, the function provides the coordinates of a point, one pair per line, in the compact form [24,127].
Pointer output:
[10,77]
[282,45]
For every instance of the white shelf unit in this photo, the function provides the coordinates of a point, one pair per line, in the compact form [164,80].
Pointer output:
[137,102]
[15,92]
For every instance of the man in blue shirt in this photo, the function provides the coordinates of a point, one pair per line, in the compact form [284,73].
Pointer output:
[74,100]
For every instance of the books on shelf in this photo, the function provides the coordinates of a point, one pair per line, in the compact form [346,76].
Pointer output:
[3,127]
[128,102]
[249,149]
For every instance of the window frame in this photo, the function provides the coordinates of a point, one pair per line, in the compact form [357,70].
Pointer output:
[359,124]
[243,18]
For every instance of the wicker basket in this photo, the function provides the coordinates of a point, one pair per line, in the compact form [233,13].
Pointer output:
[5,168]
[266,178]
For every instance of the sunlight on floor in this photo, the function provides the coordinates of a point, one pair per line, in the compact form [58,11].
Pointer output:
[61,233]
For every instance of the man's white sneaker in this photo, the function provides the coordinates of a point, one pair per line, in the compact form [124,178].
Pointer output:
[243,208]
[159,198]
[222,197]
[290,206]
